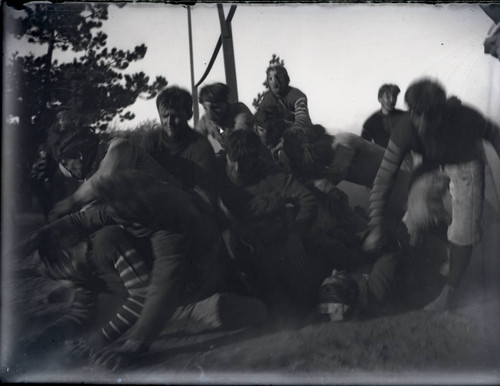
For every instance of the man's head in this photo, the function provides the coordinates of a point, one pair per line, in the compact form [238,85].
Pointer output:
[215,101]
[269,126]
[425,99]
[308,148]
[337,294]
[175,108]
[66,260]
[388,96]
[242,149]
[277,80]
[73,145]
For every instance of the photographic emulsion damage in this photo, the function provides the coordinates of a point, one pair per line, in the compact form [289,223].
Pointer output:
[278,193]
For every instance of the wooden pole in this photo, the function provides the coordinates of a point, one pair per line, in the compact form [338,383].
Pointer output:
[227,49]
[194,90]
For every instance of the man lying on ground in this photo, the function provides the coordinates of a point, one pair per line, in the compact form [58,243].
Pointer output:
[274,225]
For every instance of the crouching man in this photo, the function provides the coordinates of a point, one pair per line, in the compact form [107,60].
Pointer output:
[166,256]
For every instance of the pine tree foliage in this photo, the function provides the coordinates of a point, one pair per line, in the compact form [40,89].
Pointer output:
[95,85]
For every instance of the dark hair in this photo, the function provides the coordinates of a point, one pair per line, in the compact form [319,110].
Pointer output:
[273,122]
[279,69]
[72,140]
[62,261]
[176,98]
[427,98]
[216,92]
[309,149]
[424,95]
[243,145]
[390,88]
[339,288]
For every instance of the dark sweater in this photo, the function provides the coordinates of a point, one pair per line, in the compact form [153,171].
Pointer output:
[459,142]
[378,127]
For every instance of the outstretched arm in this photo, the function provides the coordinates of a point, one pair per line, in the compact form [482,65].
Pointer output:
[67,229]
[120,156]
[381,190]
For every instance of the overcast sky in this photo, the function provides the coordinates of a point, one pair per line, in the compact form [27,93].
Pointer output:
[337,54]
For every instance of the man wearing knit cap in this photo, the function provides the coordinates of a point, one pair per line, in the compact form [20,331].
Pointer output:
[289,101]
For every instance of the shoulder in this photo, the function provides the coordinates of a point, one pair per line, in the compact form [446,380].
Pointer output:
[150,139]
[200,142]
[202,125]
[199,146]
[239,108]
[403,133]
[119,143]
[349,139]
[294,94]
[467,115]
[396,115]
[242,116]
[269,99]
[372,119]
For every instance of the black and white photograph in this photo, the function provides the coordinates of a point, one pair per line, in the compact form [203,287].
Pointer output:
[250,193]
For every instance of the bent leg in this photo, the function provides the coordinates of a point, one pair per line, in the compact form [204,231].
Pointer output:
[222,310]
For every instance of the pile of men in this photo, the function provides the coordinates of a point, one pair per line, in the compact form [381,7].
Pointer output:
[240,221]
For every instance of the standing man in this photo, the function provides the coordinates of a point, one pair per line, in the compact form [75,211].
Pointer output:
[378,127]
[448,136]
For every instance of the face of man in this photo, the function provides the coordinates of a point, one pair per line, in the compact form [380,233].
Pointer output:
[232,169]
[75,165]
[240,171]
[262,133]
[174,122]
[215,111]
[388,101]
[277,82]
